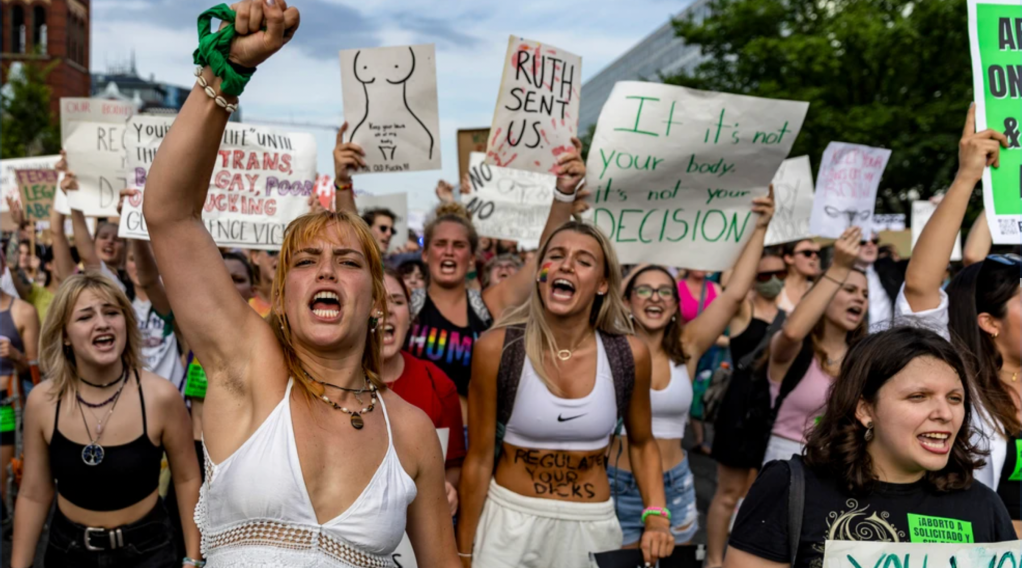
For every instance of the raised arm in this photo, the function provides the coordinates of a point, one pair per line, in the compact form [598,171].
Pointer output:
[80,229]
[145,265]
[701,333]
[515,289]
[932,252]
[348,157]
[979,241]
[477,470]
[207,307]
[785,345]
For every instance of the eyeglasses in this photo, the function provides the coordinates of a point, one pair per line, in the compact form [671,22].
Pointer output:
[766,276]
[809,253]
[646,292]
[386,230]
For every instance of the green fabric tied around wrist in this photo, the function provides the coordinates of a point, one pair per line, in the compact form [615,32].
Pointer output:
[215,47]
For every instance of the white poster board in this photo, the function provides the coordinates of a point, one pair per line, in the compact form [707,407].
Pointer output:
[793,202]
[398,204]
[921,213]
[846,188]
[855,554]
[537,107]
[91,132]
[390,104]
[9,184]
[674,171]
[404,555]
[262,181]
[888,222]
[506,203]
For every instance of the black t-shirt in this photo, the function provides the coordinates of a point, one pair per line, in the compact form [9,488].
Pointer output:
[434,338]
[1009,489]
[892,513]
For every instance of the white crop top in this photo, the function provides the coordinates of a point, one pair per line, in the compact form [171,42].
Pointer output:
[254,510]
[543,421]
[670,406]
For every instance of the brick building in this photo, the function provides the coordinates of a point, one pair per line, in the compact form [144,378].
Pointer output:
[43,31]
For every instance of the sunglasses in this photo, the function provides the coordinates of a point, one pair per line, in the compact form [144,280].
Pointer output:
[808,253]
[387,230]
[1006,259]
[766,276]
[646,292]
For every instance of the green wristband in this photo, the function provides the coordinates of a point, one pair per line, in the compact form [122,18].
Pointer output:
[215,47]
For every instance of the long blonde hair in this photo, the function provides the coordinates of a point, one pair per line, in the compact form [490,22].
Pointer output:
[57,359]
[299,233]
[608,314]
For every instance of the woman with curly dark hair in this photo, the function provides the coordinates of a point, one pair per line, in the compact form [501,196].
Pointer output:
[890,460]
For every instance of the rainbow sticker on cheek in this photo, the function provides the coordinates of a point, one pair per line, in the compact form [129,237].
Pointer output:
[544,272]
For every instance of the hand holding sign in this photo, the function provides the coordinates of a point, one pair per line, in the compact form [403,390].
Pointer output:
[348,157]
[846,248]
[978,150]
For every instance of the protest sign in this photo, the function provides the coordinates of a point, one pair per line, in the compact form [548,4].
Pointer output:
[509,204]
[793,202]
[390,105]
[995,40]
[261,181]
[674,171]
[684,556]
[921,213]
[470,140]
[888,222]
[38,188]
[856,554]
[846,188]
[9,183]
[91,132]
[537,107]
[397,203]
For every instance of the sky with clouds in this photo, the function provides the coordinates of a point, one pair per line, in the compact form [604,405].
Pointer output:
[302,83]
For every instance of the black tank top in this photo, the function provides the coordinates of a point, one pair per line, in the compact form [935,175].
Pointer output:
[1009,489]
[128,473]
[434,338]
[744,343]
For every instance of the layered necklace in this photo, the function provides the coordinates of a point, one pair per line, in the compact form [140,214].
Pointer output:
[356,415]
[93,453]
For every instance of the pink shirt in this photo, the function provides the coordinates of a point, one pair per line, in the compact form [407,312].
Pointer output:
[803,404]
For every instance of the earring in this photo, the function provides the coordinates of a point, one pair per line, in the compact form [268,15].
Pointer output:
[674,318]
[994,334]
[374,320]
[869,432]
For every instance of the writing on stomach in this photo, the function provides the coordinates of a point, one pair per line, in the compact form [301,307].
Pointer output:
[554,474]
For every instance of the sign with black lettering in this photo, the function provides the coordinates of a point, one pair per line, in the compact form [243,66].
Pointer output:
[92,132]
[509,204]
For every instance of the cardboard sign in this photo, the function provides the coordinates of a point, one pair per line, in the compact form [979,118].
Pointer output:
[888,222]
[509,204]
[390,105]
[91,132]
[846,188]
[398,204]
[855,554]
[995,40]
[537,107]
[470,140]
[921,213]
[674,171]
[38,189]
[793,202]
[262,181]
[9,183]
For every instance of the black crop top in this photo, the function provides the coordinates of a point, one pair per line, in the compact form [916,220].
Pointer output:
[128,473]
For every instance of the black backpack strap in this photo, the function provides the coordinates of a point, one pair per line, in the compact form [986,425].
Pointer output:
[751,356]
[622,368]
[799,368]
[796,504]
[512,360]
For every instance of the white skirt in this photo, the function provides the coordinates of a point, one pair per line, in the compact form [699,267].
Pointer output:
[781,449]
[529,532]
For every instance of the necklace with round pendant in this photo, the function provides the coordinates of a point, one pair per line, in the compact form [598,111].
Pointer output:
[564,354]
[93,454]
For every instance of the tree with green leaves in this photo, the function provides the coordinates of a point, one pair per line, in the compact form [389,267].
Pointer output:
[887,73]
[27,128]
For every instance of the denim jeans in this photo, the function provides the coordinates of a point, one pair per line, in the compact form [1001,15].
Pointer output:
[147,543]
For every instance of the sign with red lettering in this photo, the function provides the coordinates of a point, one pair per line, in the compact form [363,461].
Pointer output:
[846,188]
[74,110]
[262,180]
[537,107]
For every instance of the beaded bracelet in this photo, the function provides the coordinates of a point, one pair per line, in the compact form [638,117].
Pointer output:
[345,186]
[211,93]
[658,511]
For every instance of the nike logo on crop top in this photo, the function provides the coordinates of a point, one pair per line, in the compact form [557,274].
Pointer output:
[563,419]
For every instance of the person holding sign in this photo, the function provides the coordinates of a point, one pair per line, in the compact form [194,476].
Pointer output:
[447,316]
[549,386]
[295,402]
[102,457]
[889,461]
[982,311]
[806,354]
[676,347]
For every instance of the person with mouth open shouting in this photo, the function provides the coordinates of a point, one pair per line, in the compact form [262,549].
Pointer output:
[549,386]
[676,348]
[311,461]
[890,461]
[806,354]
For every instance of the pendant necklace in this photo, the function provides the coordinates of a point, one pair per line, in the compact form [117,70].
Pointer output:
[94,453]
[356,392]
[357,421]
[110,384]
[565,354]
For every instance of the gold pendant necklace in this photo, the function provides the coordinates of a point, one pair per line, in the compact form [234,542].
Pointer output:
[565,354]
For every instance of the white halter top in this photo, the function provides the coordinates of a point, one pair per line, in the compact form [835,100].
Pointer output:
[254,510]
